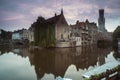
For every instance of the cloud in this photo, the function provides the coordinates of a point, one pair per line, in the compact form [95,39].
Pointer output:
[80,11]
[17,17]
[26,11]
[42,11]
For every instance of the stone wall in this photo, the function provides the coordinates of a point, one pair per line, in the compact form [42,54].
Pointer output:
[63,44]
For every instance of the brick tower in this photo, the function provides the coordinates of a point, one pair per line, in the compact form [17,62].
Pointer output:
[101,21]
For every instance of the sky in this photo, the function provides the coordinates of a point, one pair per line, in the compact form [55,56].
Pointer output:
[18,14]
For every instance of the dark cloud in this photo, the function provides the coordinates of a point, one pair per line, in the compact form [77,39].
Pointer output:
[22,13]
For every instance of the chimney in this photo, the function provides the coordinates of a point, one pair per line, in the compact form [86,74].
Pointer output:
[62,11]
[55,14]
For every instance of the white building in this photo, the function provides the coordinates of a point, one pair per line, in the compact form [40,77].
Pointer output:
[78,41]
[21,35]
[16,36]
[25,34]
[31,36]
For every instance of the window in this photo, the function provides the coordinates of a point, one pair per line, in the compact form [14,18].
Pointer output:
[64,29]
[61,36]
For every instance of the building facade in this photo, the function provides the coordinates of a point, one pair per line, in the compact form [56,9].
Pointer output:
[22,34]
[76,33]
[81,33]
[61,27]
[86,31]
[93,32]
[16,36]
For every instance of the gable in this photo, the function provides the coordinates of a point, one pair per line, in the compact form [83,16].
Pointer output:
[62,21]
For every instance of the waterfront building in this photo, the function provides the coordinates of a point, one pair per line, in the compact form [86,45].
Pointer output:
[22,34]
[85,34]
[88,32]
[16,36]
[31,36]
[31,33]
[60,29]
[60,26]
[28,35]
[93,32]
[75,34]
[81,33]
[81,29]
[25,34]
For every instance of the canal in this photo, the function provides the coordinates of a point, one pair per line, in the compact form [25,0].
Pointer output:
[23,63]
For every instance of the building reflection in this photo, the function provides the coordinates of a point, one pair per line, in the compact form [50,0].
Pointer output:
[57,60]
[4,49]
[116,52]
[19,50]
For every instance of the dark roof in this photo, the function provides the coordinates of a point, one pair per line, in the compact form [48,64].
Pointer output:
[53,20]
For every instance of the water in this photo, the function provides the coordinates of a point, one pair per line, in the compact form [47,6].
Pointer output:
[51,64]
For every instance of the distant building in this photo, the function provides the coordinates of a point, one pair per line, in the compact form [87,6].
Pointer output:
[80,30]
[16,36]
[22,34]
[86,31]
[93,32]
[85,34]
[31,36]
[25,34]
[75,34]
[81,33]
[101,21]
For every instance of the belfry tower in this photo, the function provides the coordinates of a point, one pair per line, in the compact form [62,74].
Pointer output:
[101,21]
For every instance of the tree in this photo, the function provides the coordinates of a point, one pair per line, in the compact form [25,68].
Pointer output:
[44,33]
[116,35]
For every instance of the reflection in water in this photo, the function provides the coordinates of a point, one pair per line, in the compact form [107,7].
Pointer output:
[61,61]
[117,51]
[14,67]
[57,61]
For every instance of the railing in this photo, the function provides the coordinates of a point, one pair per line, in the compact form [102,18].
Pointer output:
[108,75]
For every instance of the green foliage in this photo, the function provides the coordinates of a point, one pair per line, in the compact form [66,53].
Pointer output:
[117,30]
[5,35]
[44,33]
[32,43]
[116,33]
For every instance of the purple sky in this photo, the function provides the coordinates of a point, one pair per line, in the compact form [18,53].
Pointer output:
[17,14]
